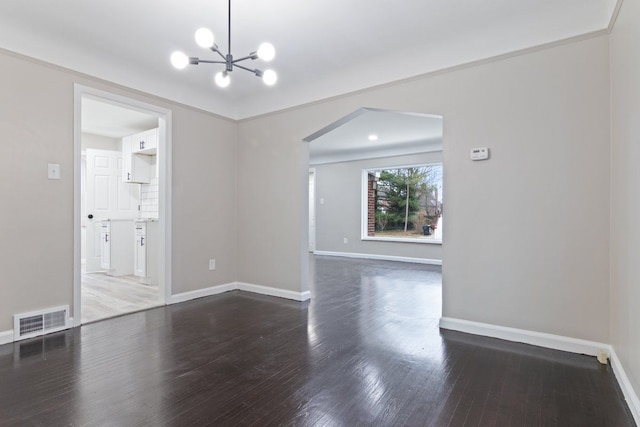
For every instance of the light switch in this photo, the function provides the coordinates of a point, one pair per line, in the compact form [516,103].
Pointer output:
[54,171]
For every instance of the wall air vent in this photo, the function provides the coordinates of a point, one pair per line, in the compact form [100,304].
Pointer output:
[28,325]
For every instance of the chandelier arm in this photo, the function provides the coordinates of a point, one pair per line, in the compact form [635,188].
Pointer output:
[245,68]
[212,62]
[243,58]
[215,49]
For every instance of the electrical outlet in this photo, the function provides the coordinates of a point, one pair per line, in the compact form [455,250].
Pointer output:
[53,171]
[346,241]
[212,264]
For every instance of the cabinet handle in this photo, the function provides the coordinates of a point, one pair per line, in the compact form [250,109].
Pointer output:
[141,241]
[142,145]
[106,238]
[128,176]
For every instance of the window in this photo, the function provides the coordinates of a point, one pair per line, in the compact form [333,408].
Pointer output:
[403,203]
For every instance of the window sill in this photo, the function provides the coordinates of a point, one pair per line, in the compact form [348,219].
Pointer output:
[401,240]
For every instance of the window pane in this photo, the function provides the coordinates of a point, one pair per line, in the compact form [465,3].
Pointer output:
[405,202]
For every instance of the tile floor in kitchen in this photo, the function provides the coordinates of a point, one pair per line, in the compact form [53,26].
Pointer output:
[106,296]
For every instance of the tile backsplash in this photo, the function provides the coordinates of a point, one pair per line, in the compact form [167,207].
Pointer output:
[149,199]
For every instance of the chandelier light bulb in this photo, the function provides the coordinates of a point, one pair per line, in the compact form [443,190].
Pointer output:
[204,38]
[222,79]
[269,77]
[373,137]
[266,51]
[179,60]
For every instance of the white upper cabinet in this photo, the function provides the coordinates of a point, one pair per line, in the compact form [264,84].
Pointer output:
[145,142]
[138,151]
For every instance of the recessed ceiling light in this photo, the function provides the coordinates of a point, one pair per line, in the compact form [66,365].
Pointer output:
[373,137]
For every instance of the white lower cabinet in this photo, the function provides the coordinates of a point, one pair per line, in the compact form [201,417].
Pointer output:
[105,245]
[140,250]
[145,251]
[116,247]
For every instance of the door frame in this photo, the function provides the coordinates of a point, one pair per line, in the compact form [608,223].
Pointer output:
[164,167]
[312,211]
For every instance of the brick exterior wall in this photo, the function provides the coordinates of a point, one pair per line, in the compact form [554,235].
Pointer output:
[371,210]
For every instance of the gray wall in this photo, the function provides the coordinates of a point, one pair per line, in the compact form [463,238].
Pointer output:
[36,219]
[340,185]
[625,232]
[540,260]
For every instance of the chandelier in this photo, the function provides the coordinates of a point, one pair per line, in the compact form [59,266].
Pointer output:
[204,38]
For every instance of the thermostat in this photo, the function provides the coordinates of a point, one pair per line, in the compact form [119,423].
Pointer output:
[479,153]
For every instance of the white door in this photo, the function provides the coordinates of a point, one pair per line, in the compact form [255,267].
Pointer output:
[312,210]
[106,197]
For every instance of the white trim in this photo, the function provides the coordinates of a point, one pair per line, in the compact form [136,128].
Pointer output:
[364,203]
[165,203]
[557,342]
[164,157]
[77,210]
[6,337]
[248,287]
[274,292]
[625,385]
[401,240]
[381,257]
[312,238]
[614,18]
[201,293]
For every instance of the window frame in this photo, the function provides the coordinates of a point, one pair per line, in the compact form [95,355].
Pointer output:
[364,212]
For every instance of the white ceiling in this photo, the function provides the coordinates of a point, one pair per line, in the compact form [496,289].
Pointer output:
[106,119]
[397,134]
[324,48]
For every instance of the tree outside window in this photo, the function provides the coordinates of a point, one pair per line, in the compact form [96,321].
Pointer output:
[405,203]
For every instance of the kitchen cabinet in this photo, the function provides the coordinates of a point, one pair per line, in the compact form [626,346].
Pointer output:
[145,142]
[145,251]
[116,237]
[136,168]
[105,245]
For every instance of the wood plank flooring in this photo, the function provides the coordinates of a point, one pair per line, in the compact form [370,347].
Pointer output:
[366,351]
[106,296]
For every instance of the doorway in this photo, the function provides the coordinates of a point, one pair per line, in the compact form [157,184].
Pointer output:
[121,204]
[380,174]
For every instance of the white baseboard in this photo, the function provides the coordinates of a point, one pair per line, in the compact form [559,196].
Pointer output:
[258,289]
[557,342]
[381,257]
[6,337]
[200,293]
[625,385]
[274,292]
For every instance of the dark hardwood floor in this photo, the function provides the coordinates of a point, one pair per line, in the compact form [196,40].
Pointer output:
[366,351]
